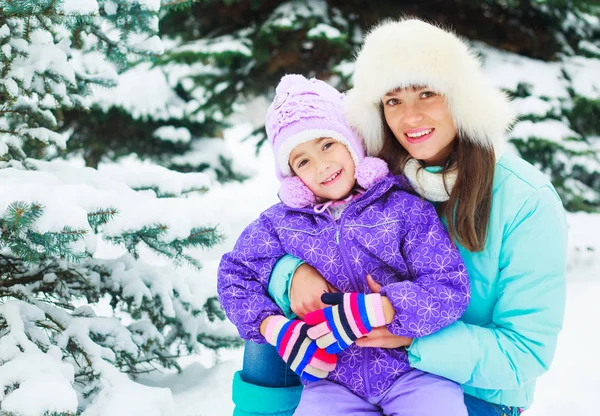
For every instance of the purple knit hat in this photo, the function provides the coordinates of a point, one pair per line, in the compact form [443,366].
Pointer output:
[301,111]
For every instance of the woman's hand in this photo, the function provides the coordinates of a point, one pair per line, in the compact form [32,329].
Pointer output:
[381,337]
[307,287]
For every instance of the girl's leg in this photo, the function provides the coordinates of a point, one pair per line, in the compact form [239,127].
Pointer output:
[265,386]
[422,394]
[478,407]
[326,398]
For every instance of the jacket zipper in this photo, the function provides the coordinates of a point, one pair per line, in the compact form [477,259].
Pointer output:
[364,369]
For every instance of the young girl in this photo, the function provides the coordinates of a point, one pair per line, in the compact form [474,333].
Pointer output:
[343,214]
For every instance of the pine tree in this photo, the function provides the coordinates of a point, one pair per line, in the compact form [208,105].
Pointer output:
[41,75]
[74,239]
[559,131]
[165,125]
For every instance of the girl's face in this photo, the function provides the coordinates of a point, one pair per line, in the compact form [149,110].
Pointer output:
[421,122]
[325,166]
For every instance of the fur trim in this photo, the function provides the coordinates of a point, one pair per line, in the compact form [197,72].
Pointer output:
[282,157]
[370,171]
[411,52]
[295,194]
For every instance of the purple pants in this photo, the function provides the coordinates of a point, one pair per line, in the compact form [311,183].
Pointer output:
[414,394]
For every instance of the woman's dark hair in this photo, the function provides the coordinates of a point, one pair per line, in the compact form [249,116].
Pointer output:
[467,211]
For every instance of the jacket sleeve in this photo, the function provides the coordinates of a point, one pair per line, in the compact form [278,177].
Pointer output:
[519,344]
[243,278]
[281,281]
[439,289]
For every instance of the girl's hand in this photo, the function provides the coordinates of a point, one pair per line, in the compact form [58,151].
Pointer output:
[382,338]
[307,287]
[351,316]
[290,339]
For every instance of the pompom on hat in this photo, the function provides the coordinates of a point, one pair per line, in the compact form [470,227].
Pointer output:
[410,52]
[304,110]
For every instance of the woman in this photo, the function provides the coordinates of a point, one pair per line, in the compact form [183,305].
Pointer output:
[422,103]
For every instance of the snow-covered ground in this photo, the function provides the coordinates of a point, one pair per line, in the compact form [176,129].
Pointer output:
[569,388]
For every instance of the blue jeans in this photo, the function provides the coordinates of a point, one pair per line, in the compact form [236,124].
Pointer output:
[478,407]
[264,367]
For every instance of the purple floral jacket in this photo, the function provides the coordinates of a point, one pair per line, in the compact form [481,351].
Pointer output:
[387,232]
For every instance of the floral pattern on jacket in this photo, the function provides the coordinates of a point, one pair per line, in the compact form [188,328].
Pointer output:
[389,233]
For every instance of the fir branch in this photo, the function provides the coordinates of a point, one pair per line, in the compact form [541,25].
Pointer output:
[179,3]
[100,217]
[20,281]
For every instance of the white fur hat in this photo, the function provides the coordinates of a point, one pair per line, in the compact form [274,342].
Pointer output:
[398,54]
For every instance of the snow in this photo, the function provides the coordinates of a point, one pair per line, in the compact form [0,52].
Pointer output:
[11,86]
[140,175]
[151,5]
[585,73]
[153,44]
[43,54]
[45,381]
[110,8]
[82,7]
[46,136]
[323,30]
[222,44]
[69,193]
[290,14]
[508,70]
[4,31]
[122,397]
[552,130]
[590,47]
[532,106]
[173,134]
[144,92]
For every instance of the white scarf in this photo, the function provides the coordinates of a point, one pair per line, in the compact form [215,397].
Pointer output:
[429,185]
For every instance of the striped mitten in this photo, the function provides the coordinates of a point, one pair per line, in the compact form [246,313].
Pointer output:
[352,316]
[300,352]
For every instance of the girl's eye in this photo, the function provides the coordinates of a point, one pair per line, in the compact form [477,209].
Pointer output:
[392,101]
[302,163]
[427,94]
[327,145]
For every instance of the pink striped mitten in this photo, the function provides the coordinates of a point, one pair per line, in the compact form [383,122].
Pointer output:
[352,316]
[298,350]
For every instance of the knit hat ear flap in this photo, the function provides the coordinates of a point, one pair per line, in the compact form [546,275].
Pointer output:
[370,171]
[294,193]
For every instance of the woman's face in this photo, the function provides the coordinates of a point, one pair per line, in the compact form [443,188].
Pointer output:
[421,122]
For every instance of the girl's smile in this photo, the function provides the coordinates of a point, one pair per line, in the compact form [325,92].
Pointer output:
[332,179]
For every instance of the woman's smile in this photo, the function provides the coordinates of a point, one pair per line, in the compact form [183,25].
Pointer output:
[415,136]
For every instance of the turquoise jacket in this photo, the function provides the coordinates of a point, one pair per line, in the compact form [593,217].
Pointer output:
[507,337]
